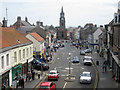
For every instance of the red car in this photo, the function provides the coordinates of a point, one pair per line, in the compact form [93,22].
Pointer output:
[53,74]
[47,86]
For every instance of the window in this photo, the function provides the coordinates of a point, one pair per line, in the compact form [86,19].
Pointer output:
[19,54]
[7,59]
[62,35]
[30,50]
[27,52]
[15,57]
[2,62]
[115,19]
[23,53]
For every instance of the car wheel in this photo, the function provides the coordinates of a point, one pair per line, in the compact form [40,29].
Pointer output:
[48,79]
[57,79]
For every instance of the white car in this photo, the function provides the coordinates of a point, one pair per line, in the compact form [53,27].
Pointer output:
[53,74]
[82,52]
[85,77]
[87,60]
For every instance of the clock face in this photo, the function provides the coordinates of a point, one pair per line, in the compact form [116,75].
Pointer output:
[62,19]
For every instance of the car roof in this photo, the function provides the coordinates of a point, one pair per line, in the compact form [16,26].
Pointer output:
[46,83]
[87,57]
[86,72]
[53,70]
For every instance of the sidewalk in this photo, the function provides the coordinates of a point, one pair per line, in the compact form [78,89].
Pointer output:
[105,79]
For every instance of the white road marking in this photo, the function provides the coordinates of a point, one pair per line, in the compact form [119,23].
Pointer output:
[82,68]
[58,58]
[68,68]
[65,85]
[63,75]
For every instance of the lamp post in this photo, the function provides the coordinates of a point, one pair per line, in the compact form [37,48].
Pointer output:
[69,62]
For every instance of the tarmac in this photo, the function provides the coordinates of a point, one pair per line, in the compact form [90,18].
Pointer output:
[105,79]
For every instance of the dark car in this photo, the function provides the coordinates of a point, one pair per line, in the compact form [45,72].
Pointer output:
[75,60]
[39,66]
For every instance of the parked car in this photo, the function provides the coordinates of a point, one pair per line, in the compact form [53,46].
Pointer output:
[47,86]
[85,77]
[53,74]
[75,59]
[82,52]
[39,65]
[88,50]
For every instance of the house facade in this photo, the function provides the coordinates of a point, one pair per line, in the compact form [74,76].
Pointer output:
[18,51]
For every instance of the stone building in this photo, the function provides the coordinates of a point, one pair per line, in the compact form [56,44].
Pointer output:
[62,32]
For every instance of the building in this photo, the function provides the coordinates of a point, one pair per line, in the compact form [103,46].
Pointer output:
[18,50]
[62,32]
[38,44]
[113,44]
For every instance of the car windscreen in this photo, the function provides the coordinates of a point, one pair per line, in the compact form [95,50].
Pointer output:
[52,73]
[44,87]
[85,75]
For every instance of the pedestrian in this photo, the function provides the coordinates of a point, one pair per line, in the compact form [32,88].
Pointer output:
[33,74]
[103,68]
[11,87]
[29,76]
[22,82]
[3,87]
[15,83]
[39,74]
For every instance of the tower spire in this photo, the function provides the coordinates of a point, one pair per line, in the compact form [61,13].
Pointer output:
[62,9]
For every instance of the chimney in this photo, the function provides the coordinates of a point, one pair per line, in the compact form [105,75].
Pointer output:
[38,23]
[41,23]
[26,19]
[18,19]
[4,23]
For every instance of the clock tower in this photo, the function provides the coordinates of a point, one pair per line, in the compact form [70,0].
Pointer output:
[62,32]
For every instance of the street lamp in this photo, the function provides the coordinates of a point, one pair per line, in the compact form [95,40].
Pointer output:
[69,62]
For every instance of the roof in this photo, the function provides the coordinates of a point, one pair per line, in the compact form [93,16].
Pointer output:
[46,83]
[11,37]
[37,36]
[53,71]
[25,23]
[86,72]
[25,29]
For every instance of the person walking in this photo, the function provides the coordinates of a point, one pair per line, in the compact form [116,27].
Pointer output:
[33,75]
[3,87]
[39,74]
[22,82]
[29,75]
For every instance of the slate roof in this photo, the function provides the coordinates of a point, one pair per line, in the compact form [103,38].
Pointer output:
[37,36]
[25,23]
[11,37]
[25,29]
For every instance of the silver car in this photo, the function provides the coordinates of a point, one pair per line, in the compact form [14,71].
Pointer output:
[85,77]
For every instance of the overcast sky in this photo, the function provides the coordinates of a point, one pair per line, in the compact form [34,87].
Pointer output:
[77,12]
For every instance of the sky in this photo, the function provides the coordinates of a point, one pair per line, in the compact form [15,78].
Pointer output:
[77,12]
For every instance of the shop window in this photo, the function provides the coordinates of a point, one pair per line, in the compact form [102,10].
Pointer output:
[2,62]
[7,59]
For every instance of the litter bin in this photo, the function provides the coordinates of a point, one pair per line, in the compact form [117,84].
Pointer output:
[97,62]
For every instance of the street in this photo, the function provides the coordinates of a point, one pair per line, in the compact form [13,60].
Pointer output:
[61,63]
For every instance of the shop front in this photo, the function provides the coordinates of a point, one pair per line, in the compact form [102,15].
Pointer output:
[5,79]
[24,71]
[16,72]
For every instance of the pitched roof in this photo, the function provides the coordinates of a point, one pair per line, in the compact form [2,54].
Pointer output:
[25,23]
[25,29]
[37,36]
[11,37]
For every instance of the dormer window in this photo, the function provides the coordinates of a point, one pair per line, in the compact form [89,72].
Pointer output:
[18,41]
